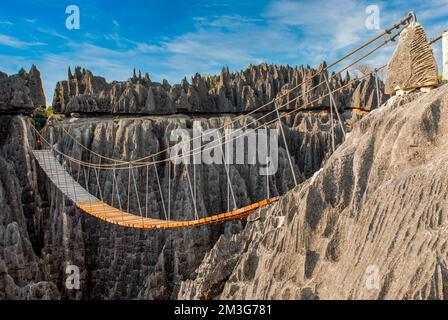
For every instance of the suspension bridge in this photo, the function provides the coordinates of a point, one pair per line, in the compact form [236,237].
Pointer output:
[60,166]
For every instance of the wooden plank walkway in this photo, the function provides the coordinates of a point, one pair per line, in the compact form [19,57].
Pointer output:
[96,208]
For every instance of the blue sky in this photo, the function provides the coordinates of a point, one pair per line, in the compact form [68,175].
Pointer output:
[172,39]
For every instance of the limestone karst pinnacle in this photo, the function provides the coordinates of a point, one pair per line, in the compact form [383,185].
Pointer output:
[372,194]
[228,92]
[22,92]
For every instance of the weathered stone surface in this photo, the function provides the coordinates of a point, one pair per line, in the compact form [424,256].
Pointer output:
[36,87]
[372,224]
[228,92]
[413,64]
[152,264]
[21,216]
[45,233]
[384,184]
[21,93]
[365,97]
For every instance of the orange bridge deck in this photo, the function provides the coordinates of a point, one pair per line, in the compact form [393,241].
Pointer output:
[97,208]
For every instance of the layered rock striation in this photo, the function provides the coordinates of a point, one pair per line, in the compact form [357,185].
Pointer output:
[413,65]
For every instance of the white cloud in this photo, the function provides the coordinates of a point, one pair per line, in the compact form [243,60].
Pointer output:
[217,41]
[433,9]
[148,48]
[338,23]
[293,32]
[225,21]
[17,43]
[52,33]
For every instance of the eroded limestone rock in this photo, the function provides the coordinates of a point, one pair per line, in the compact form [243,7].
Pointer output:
[22,212]
[413,64]
[41,232]
[22,92]
[227,92]
[372,224]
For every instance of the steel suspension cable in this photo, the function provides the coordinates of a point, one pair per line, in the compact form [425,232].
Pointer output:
[268,193]
[147,191]
[113,189]
[239,129]
[280,125]
[169,190]
[192,194]
[137,194]
[281,116]
[256,120]
[226,160]
[118,196]
[262,125]
[89,164]
[161,193]
[333,105]
[387,31]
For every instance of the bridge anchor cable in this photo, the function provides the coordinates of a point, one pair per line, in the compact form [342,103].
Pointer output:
[280,125]
[333,105]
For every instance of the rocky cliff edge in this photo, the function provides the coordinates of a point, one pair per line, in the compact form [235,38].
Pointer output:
[372,224]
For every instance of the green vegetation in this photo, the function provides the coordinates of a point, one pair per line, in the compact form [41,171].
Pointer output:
[51,114]
[213,80]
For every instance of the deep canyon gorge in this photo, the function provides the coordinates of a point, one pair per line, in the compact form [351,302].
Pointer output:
[379,200]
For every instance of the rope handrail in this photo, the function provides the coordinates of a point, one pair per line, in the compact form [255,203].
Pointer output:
[108,166]
[105,212]
[392,38]
[86,164]
[85,201]
[61,170]
[137,163]
[385,32]
[437,38]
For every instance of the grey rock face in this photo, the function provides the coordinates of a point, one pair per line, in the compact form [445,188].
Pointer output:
[123,263]
[22,212]
[365,96]
[41,233]
[21,93]
[413,64]
[228,92]
[372,224]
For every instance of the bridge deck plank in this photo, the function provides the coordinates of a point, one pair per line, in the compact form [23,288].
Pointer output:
[93,206]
